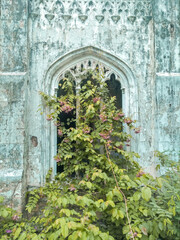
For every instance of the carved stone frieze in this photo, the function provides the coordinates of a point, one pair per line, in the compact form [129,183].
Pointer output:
[55,10]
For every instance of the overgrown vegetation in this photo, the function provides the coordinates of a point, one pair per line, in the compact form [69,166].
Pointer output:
[102,193]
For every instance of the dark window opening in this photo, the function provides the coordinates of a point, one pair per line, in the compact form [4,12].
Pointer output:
[69,119]
[66,119]
[114,87]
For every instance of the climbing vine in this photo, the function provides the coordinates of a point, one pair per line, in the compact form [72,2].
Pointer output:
[102,192]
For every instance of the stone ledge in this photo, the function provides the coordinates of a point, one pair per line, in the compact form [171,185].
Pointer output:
[10,175]
[13,73]
[167,74]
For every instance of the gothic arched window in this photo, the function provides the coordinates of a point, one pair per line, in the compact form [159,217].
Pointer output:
[114,87]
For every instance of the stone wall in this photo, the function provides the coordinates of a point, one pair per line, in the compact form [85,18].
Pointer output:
[13,80]
[35,34]
[167,81]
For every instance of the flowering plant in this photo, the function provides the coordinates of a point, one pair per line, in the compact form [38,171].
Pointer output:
[102,193]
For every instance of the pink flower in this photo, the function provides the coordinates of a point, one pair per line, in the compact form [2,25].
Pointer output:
[57,159]
[137,130]
[121,114]
[116,118]
[66,140]
[86,130]
[8,231]
[128,121]
[103,117]
[62,103]
[120,147]
[66,108]
[49,118]
[104,107]
[96,99]
[144,231]
[15,217]
[104,135]
[109,143]
[140,173]
[60,133]
[72,188]
[57,124]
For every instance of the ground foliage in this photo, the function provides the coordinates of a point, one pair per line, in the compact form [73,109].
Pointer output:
[102,193]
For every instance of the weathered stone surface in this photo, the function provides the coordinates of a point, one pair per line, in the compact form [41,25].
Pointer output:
[167,30]
[168,114]
[40,39]
[12,134]
[13,32]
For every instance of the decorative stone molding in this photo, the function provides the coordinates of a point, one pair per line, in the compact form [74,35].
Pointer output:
[115,18]
[100,10]
[83,18]
[66,17]
[132,19]
[99,18]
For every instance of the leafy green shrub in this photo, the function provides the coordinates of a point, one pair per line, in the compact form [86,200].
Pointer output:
[169,194]
[102,192]
[8,218]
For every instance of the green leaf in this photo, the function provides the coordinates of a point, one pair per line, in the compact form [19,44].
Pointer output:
[137,196]
[151,237]
[17,232]
[74,236]
[109,195]
[90,236]
[121,214]
[146,193]
[4,213]
[104,236]
[89,184]
[84,236]
[159,180]
[110,238]
[126,229]
[168,221]
[114,212]
[95,230]
[161,226]
[110,202]
[65,230]
[22,236]
[145,212]
[1,199]
[34,238]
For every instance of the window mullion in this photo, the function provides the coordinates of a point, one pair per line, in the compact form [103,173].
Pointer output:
[78,88]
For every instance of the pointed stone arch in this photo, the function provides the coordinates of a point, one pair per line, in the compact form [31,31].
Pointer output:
[75,59]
